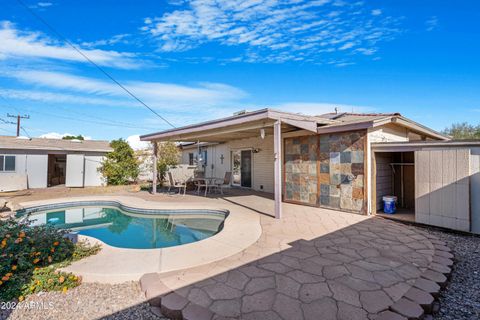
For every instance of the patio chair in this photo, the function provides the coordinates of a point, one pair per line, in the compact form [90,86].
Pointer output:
[176,184]
[227,180]
[201,183]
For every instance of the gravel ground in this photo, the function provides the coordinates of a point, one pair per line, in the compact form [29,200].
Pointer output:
[88,301]
[460,300]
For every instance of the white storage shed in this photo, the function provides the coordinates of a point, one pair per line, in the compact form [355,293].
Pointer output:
[40,163]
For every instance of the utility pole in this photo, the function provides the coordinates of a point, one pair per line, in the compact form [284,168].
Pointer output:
[19,119]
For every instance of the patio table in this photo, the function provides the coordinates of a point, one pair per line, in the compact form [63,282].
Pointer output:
[210,182]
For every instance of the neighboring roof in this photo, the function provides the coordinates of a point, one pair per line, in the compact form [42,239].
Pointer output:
[21,143]
[330,122]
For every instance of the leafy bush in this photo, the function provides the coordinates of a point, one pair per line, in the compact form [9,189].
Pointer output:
[30,255]
[120,166]
[167,155]
[460,131]
[49,279]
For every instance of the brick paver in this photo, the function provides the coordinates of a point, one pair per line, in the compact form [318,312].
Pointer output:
[317,263]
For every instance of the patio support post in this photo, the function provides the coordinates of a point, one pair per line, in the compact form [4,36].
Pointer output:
[154,159]
[277,149]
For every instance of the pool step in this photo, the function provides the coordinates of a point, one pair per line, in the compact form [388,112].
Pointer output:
[168,303]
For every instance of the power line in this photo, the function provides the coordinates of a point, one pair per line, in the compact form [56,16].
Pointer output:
[19,119]
[102,122]
[23,129]
[91,61]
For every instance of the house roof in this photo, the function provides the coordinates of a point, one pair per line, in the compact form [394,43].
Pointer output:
[264,118]
[20,143]
[353,121]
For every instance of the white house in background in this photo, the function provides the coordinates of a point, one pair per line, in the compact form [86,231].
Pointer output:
[40,163]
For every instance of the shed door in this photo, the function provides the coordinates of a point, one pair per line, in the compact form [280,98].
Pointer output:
[75,170]
[442,193]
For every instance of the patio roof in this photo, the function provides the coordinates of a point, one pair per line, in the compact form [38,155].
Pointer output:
[240,126]
[246,125]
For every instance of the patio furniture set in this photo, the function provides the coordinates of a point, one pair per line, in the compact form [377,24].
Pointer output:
[209,184]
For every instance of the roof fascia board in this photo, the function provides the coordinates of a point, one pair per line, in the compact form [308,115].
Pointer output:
[302,124]
[198,136]
[419,128]
[54,149]
[345,127]
[379,145]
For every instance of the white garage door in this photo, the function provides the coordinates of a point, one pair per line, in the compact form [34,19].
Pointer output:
[75,170]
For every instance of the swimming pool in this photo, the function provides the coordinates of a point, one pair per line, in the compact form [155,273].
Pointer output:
[125,227]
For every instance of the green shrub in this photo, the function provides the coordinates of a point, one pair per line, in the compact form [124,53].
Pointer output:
[49,279]
[29,256]
[120,166]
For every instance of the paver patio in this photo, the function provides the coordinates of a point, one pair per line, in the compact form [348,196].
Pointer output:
[312,264]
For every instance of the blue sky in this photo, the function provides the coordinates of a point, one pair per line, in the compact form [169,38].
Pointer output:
[197,60]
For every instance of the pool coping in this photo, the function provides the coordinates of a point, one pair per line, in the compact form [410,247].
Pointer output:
[114,265]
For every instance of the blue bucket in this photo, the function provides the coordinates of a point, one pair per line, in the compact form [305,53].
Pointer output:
[389,204]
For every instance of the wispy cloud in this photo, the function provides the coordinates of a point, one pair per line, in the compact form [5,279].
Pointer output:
[164,96]
[274,31]
[18,44]
[50,97]
[432,23]
[44,4]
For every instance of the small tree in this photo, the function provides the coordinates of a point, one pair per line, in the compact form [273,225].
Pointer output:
[168,155]
[120,166]
[79,137]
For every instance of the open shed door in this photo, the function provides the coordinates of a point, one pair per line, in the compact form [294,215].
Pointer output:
[75,170]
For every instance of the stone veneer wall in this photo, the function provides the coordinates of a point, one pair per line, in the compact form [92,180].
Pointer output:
[326,170]
[301,174]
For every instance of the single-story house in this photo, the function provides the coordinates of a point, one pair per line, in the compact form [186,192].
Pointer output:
[342,161]
[40,163]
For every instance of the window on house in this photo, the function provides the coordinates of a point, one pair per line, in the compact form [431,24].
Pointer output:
[7,163]
[190,159]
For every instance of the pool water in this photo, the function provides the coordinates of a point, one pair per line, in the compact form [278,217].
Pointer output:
[124,229]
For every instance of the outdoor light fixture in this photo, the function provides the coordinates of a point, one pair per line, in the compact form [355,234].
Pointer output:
[262,133]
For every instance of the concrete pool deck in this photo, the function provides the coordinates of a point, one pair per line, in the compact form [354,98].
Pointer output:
[115,265]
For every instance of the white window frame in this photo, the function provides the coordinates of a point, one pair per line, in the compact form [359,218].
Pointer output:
[4,163]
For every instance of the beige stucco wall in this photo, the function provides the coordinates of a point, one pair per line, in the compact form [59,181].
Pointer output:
[388,133]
